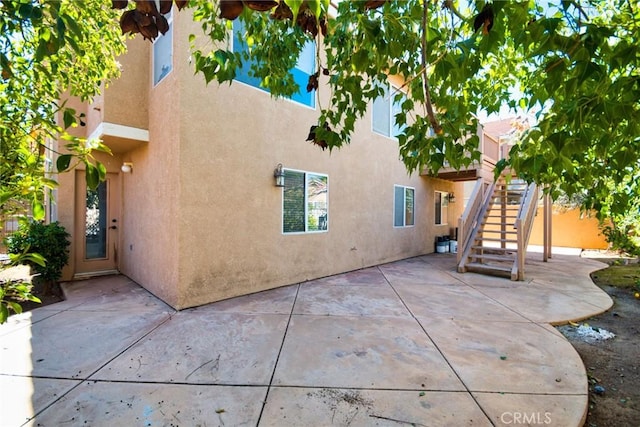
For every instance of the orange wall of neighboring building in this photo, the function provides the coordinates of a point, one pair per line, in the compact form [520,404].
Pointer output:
[569,229]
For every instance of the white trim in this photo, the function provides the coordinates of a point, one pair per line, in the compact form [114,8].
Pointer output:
[119,131]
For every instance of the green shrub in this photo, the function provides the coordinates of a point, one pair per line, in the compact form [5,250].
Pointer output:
[49,240]
[622,234]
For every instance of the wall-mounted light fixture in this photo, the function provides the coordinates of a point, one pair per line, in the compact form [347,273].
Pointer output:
[452,198]
[278,173]
[126,167]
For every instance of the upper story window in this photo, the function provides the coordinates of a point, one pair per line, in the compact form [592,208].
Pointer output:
[163,53]
[403,206]
[385,108]
[304,68]
[305,202]
[442,207]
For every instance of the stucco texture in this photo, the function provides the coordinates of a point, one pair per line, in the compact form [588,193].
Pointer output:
[201,216]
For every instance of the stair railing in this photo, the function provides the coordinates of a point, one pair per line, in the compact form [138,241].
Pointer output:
[465,221]
[469,223]
[524,224]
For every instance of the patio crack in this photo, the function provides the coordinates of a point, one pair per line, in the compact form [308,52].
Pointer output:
[437,348]
[275,365]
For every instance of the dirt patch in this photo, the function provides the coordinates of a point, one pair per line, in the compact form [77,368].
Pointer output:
[23,273]
[613,365]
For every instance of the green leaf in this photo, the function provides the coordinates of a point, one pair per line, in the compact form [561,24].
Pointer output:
[33,298]
[102,171]
[360,60]
[37,210]
[294,5]
[4,313]
[17,308]
[92,176]
[63,162]
[35,258]
[69,117]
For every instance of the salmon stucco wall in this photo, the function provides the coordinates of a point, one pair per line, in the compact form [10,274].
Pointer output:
[126,100]
[150,196]
[201,218]
[230,213]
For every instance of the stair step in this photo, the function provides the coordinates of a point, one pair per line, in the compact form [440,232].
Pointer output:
[492,257]
[493,239]
[500,231]
[483,268]
[498,223]
[491,248]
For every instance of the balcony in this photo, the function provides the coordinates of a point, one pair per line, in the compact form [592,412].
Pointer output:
[495,142]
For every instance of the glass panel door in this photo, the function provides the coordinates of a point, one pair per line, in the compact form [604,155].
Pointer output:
[96,222]
[97,226]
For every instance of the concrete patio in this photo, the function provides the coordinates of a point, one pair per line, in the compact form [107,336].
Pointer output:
[407,343]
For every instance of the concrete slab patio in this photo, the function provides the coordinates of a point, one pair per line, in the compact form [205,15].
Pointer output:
[412,342]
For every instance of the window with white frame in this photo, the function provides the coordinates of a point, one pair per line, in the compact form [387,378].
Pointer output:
[304,68]
[305,202]
[403,206]
[385,109]
[163,53]
[442,207]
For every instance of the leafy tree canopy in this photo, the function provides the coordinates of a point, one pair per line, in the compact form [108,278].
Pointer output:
[49,50]
[575,65]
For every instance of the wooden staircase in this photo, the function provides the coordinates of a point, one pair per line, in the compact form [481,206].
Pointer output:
[495,228]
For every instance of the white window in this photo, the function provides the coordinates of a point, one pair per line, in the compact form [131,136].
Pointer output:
[163,53]
[305,202]
[403,206]
[442,207]
[385,109]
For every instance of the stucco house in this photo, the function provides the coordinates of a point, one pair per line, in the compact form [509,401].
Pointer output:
[212,191]
[190,208]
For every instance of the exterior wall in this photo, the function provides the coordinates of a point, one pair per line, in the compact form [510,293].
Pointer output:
[569,229]
[201,218]
[151,192]
[231,241]
[126,101]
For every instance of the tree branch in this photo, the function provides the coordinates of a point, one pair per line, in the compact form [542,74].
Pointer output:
[427,95]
